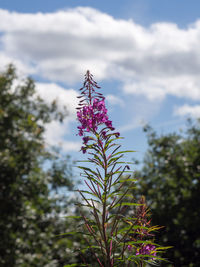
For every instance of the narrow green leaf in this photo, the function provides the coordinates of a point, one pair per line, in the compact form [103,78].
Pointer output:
[73,217]
[122,152]
[112,160]
[128,180]
[87,169]
[110,141]
[88,192]
[71,265]
[127,204]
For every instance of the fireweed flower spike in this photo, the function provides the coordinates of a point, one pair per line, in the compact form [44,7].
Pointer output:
[106,230]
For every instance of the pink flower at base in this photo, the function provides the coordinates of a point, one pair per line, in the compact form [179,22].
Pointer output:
[147,250]
[129,247]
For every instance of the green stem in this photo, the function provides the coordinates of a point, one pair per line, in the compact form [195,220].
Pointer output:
[104,200]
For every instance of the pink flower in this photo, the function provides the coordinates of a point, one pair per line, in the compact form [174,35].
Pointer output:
[130,248]
[91,117]
[148,249]
[86,139]
[92,112]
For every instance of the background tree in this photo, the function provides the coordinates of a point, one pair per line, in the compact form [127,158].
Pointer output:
[170,180]
[30,175]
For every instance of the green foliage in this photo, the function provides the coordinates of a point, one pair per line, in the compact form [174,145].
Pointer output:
[29,178]
[170,179]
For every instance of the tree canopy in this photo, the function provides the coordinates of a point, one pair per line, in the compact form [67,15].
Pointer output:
[30,175]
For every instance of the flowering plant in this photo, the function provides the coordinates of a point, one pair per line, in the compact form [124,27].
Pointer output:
[113,239]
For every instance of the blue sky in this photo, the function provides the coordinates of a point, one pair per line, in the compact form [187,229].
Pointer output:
[145,12]
[144,54]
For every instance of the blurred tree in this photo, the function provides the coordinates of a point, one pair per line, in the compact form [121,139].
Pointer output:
[170,180]
[30,175]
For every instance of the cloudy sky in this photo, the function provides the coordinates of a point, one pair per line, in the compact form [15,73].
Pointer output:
[145,54]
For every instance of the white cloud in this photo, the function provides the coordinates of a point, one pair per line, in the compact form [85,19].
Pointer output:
[56,131]
[187,110]
[55,136]
[133,124]
[64,97]
[154,62]
[114,100]
[22,68]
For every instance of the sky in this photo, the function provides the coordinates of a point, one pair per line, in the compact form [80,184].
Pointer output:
[143,53]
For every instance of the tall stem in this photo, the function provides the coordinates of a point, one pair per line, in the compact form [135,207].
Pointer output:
[104,200]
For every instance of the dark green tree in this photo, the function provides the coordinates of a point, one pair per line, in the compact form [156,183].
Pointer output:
[170,180]
[30,175]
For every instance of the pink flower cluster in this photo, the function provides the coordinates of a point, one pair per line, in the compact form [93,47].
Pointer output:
[147,250]
[92,116]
